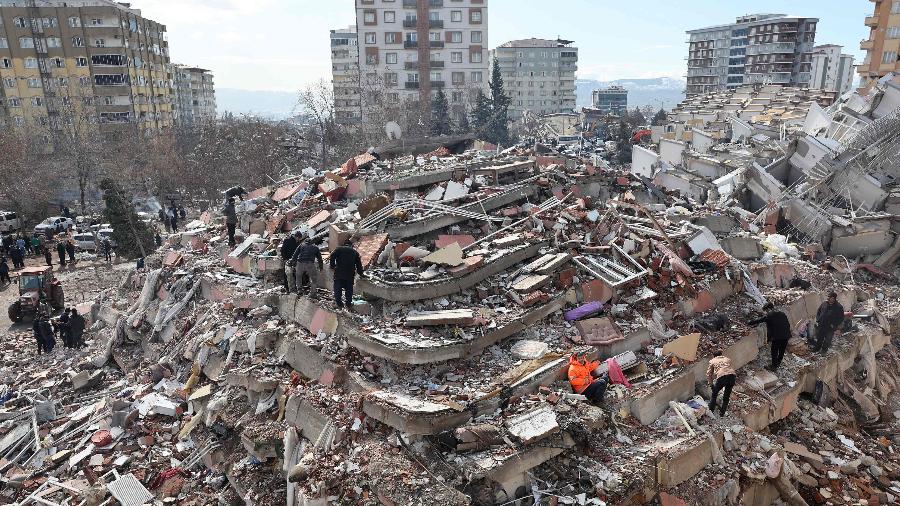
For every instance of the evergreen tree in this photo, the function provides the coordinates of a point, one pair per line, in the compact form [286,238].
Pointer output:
[440,114]
[481,116]
[660,117]
[623,143]
[499,125]
[463,126]
[133,237]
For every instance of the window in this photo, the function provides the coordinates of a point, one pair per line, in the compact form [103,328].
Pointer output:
[456,37]
[390,58]
[393,97]
[892,32]
[9,82]
[58,62]
[456,16]
[14,102]
[434,36]
[62,82]
[26,42]
[37,102]
[20,121]
[895,7]
[476,39]
[370,37]
[31,63]
[108,101]
[77,42]
[75,22]
[20,23]
[458,77]
[5,63]
[889,57]
[477,77]
[34,82]
[369,18]
[390,16]
[81,61]
[99,42]
[96,22]
[49,22]
[372,58]
[475,16]
[435,75]
[4,43]
[390,79]
[456,57]
[412,78]
[391,38]
[54,42]
[475,57]
[456,97]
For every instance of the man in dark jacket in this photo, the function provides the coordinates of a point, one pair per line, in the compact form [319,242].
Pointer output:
[65,333]
[305,258]
[230,219]
[38,335]
[77,324]
[288,247]
[345,264]
[61,251]
[829,318]
[4,272]
[778,331]
[70,249]
[46,331]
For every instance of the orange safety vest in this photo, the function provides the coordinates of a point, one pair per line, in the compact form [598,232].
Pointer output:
[580,373]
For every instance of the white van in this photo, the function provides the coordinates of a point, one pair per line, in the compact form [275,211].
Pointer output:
[84,241]
[9,221]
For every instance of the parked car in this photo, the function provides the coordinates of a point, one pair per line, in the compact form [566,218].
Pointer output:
[106,233]
[84,241]
[9,221]
[54,224]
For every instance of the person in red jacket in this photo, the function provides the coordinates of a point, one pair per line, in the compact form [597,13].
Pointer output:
[584,381]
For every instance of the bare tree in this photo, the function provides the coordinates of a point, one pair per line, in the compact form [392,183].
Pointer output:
[317,103]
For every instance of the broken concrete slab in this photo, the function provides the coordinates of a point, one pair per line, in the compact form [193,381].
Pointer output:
[534,425]
[532,283]
[448,317]
[450,256]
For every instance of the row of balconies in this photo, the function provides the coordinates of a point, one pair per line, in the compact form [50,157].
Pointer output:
[414,65]
[414,22]
[412,4]
[413,44]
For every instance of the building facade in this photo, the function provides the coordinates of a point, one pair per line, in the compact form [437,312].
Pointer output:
[95,60]
[345,76]
[883,44]
[408,49]
[831,70]
[612,100]
[539,75]
[757,48]
[195,96]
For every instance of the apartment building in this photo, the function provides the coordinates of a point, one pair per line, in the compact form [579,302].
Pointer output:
[539,75]
[756,48]
[883,44]
[611,100]
[345,75]
[831,70]
[195,96]
[94,59]
[408,49]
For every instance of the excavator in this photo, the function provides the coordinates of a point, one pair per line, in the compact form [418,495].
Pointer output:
[641,136]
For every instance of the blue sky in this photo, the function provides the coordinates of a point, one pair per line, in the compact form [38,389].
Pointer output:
[282,45]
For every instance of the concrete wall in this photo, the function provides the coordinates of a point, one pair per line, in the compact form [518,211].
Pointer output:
[702,141]
[642,161]
[671,151]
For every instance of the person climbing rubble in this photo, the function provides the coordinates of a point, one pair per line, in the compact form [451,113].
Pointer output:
[345,264]
[586,381]
[778,332]
[230,219]
[721,376]
[829,318]
[288,247]
[304,259]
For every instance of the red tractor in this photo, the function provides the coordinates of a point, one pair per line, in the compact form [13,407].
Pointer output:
[39,291]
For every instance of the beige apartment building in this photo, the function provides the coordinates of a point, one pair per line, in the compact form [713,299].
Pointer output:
[539,75]
[883,44]
[194,96]
[97,60]
[345,76]
[408,49]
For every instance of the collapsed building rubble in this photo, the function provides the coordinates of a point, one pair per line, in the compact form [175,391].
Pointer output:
[206,383]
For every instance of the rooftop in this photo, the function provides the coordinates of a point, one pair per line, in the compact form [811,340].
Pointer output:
[533,42]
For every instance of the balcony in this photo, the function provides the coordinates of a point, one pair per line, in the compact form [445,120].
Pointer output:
[871,21]
[411,85]
[410,22]
[438,84]
[435,3]
[867,44]
[435,23]
[435,64]
[436,44]
[411,65]
[410,3]
[410,44]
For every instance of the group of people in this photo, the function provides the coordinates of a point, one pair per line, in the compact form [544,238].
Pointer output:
[303,263]
[170,216]
[70,327]
[721,375]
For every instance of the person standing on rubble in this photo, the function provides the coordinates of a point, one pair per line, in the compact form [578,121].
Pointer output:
[164,218]
[173,216]
[38,336]
[48,340]
[70,249]
[345,263]
[48,256]
[721,376]
[107,249]
[288,247]
[305,258]
[582,377]
[230,220]
[77,324]
[4,272]
[61,251]
[778,331]
[829,319]
[63,326]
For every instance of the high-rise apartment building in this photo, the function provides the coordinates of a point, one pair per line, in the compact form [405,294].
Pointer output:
[612,100]
[883,44]
[195,96]
[757,48]
[408,49]
[345,75]
[831,70]
[539,75]
[95,59]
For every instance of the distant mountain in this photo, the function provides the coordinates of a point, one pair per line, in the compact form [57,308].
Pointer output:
[268,104]
[641,92]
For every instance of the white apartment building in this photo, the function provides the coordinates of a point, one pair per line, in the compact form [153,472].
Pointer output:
[539,75]
[345,76]
[831,70]
[195,95]
[408,49]
[756,48]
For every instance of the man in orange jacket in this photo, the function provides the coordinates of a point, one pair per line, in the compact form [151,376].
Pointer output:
[583,380]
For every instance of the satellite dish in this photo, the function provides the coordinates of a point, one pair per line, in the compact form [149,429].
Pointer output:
[393,131]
